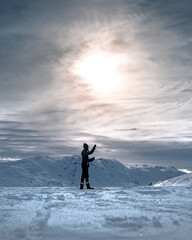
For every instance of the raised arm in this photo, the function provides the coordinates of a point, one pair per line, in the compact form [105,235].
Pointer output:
[92,150]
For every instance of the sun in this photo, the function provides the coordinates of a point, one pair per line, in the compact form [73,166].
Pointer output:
[99,70]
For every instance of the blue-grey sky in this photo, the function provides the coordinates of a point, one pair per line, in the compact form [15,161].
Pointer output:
[48,106]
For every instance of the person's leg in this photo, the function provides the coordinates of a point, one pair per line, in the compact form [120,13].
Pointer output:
[82,179]
[87,175]
[87,179]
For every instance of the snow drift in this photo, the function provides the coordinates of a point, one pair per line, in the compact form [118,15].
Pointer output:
[184,180]
[66,171]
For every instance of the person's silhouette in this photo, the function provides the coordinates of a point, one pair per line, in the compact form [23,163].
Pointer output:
[85,165]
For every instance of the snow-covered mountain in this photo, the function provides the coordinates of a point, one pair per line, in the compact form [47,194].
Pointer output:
[66,171]
[184,180]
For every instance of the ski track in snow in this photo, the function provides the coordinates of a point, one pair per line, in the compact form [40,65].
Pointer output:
[113,213]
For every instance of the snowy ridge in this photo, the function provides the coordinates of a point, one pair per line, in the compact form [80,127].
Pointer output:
[66,171]
[184,180]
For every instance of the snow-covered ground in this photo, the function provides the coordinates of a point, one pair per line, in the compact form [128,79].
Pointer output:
[40,199]
[47,213]
[184,180]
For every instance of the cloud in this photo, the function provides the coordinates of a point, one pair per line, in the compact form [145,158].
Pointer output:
[131,129]
[42,101]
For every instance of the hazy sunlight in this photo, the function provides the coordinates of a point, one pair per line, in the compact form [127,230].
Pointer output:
[100,70]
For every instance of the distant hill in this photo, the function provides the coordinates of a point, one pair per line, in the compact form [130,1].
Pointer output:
[184,180]
[66,171]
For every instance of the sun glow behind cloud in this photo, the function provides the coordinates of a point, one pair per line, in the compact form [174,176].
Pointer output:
[100,70]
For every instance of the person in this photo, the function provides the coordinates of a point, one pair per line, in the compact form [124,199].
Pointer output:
[85,165]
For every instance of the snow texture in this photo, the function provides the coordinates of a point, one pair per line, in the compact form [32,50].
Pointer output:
[121,207]
[143,212]
[185,180]
[47,171]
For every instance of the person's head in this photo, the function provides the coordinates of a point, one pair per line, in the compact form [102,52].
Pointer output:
[85,146]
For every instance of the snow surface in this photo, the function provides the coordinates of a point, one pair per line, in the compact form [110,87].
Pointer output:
[122,206]
[185,180]
[68,213]
[47,171]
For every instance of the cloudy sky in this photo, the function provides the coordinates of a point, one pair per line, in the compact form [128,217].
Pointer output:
[114,73]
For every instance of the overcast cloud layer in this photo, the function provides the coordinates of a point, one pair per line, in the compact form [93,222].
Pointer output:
[45,109]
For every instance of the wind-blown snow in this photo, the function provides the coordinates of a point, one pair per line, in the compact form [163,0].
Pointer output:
[184,180]
[48,171]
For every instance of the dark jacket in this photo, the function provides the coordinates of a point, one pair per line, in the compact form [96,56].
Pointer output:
[85,159]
